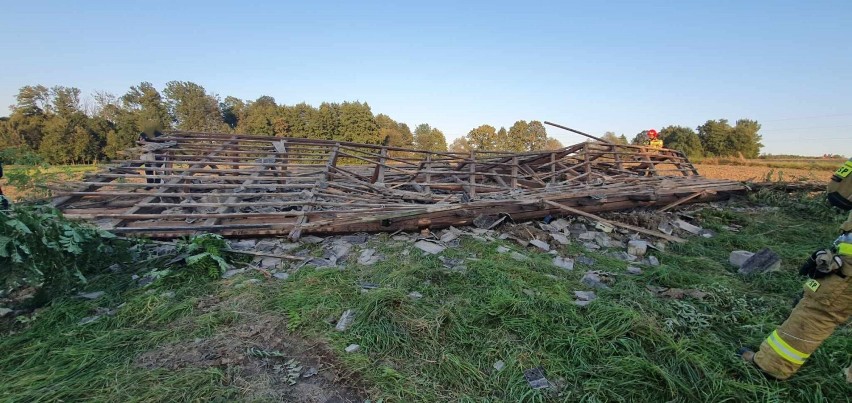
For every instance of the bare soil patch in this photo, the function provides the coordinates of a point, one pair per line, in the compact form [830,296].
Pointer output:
[254,352]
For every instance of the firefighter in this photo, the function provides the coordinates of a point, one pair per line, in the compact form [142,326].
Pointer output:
[4,203]
[654,139]
[827,299]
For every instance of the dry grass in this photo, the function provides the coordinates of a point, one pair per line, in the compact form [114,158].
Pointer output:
[761,173]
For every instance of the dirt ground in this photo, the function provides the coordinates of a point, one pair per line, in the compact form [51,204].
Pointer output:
[759,174]
[254,352]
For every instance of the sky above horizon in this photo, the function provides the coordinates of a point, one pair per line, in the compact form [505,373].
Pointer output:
[623,66]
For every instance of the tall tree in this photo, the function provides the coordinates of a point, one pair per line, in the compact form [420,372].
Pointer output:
[552,144]
[482,138]
[233,111]
[614,139]
[503,141]
[682,139]
[148,108]
[328,121]
[429,138]
[65,101]
[745,138]
[640,138]
[191,107]
[397,134]
[714,135]
[258,117]
[460,145]
[32,99]
[357,123]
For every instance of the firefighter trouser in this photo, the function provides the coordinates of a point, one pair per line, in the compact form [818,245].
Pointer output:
[826,304]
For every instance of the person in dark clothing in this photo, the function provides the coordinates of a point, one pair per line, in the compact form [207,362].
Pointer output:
[4,203]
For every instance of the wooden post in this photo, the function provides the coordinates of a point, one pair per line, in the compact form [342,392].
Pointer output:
[514,172]
[472,178]
[379,172]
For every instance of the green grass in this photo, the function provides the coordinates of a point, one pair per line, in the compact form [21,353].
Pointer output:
[628,345]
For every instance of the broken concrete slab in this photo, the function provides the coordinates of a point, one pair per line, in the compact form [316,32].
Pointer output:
[665,227]
[605,227]
[368,257]
[763,261]
[585,295]
[653,261]
[637,248]
[499,365]
[312,239]
[519,256]
[634,270]
[536,378]
[281,275]
[738,257]
[603,240]
[587,236]
[622,255]
[91,295]
[540,244]
[502,249]
[563,263]
[345,320]
[352,348]
[245,244]
[415,295]
[561,224]
[560,239]
[594,280]
[586,260]
[692,229]
[355,239]
[269,262]
[431,248]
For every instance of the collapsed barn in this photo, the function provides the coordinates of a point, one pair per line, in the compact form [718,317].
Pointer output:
[184,183]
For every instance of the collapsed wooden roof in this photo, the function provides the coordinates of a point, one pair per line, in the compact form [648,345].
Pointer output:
[236,185]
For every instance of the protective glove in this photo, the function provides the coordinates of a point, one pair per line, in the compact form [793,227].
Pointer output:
[820,264]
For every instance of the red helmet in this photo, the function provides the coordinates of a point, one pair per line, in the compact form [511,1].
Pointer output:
[652,134]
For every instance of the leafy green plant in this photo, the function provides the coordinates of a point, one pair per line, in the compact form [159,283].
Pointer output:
[41,249]
[206,254]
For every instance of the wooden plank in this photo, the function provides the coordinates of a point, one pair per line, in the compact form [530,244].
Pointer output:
[614,223]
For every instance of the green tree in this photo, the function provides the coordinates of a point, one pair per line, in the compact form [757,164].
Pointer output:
[191,107]
[327,123]
[460,145]
[257,117]
[640,139]
[65,101]
[614,139]
[745,139]
[233,111]
[503,141]
[482,138]
[396,134]
[552,144]
[682,139]
[715,137]
[357,124]
[147,107]
[32,99]
[429,138]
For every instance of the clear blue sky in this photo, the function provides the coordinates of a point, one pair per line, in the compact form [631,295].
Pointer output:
[622,66]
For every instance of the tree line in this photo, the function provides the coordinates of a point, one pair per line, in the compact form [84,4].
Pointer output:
[54,125]
[715,138]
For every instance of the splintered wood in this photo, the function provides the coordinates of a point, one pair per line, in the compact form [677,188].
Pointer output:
[240,186]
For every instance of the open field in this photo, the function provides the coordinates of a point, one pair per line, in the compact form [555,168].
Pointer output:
[23,182]
[438,327]
[763,173]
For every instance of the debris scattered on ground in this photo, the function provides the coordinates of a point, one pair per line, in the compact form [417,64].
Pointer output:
[519,256]
[91,295]
[637,247]
[597,279]
[233,272]
[563,263]
[653,261]
[585,260]
[499,365]
[345,320]
[368,257]
[536,378]
[281,275]
[352,348]
[5,311]
[583,298]
[429,247]
[540,244]
[634,270]
[415,295]
[738,257]
[763,261]
[692,229]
